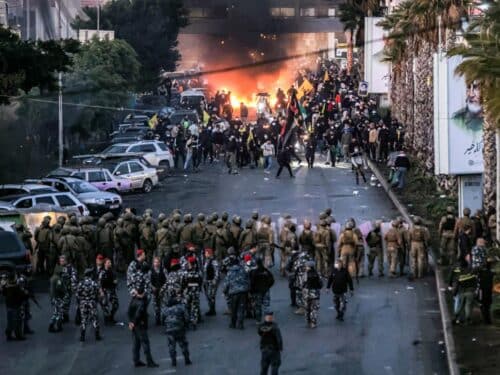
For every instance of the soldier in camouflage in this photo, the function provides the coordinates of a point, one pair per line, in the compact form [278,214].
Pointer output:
[176,320]
[247,236]
[289,242]
[104,238]
[221,241]
[69,279]
[236,230]
[311,293]
[164,240]
[138,274]
[306,238]
[299,271]
[88,296]
[57,295]
[43,238]
[211,277]
[54,250]
[108,284]
[186,233]
[192,291]
[175,282]
[147,238]
[237,286]
[292,277]
[265,239]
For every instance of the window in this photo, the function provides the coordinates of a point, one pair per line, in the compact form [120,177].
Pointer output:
[44,200]
[107,176]
[162,146]
[96,176]
[135,149]
[60,186]
[148,148]
[307,12]
[65,201]
[80,175]
[331,12]
[10,191]
[135,167]
[283,12]
[25,203]
[122,169]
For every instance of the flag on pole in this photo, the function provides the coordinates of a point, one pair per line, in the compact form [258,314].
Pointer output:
[206,117]
[327,77]
[304,88]
[153,121]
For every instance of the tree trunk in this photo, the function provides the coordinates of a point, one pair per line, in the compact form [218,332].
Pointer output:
[490,162]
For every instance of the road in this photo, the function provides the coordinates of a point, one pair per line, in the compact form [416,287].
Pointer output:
[391,326]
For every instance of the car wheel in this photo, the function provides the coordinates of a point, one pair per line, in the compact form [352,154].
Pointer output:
[147,186]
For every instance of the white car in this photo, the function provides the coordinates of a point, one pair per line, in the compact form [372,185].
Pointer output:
[63,201]
[142,176]
[155,152]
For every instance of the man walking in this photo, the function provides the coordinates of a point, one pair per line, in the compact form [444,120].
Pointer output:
[271,345]
[237,285]
[339,280]
[176,321]
[284,162]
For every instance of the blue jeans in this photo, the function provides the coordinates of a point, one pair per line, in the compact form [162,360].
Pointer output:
[188,160]
[400,175]
[268,162]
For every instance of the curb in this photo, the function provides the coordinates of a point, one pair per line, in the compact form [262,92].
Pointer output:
[445,314]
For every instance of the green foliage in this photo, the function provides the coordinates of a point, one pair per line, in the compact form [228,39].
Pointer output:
[25,65]
[151,27]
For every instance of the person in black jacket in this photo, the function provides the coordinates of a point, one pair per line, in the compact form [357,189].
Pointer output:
[271,345]
[138,324]
[15,296]
[284,161]
[261,281]
[402,164]
[339,281]
[486,290]
[158,279]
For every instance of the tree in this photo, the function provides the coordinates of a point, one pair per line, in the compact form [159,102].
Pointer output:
[481,64]
[151,27]
[25,65]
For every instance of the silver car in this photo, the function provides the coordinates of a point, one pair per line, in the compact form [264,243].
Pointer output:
[141,176]
[66,202]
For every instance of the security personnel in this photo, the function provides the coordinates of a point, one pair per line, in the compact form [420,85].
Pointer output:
[186,233]
[57,293]
[108,283]
[465,221]
[247,237]
[261,281]
[306,238]
[192,291]
[237,286]
[199,232]
[164,240]
[322,246]
[147,238]
[105,239]
[43,238]
[15,296]
[158,279]
[289,243]
[393,242]
[419,238]
[87,295]
[221,241]
[265,239]
[236,230]
[347,248]
[271,345]
[374,241]
[311,294]
[176,320]
[211,277]
[448,249]
[138,274]
[138,325]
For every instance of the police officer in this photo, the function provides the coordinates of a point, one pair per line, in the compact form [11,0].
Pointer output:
[271,345]
[289,243]
[211,277]
[138,325]
[374,241]
[158,279]
[348,242]
[69,279]
[265,239]
[393,242]
[236,287]
[446,232]
[192,291]
[43,238]
[88,295]
[138,274]
[419,238]
[176,320]
[57,294]
[299,269]
[175,282]
[261,281]
[108,283]
[289,268]
[15,296]
[311,294]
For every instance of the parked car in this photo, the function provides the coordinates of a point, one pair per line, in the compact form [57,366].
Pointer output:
[13,255]
[98,202]
[66,202]
[141,176]
[155,152]
[133,118]
[176,117]
[192,99]
[99,177]
[25,188]
[132,134]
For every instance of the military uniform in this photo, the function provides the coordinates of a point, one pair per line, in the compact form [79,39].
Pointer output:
[236,230]
[43,238]
[289,243]
[192,291]
[199,234]
[348,242]
[186,233]
[164,240]
[360,253]
[58,292]
[108,283]
[306,241]
[104,238]
[174,286]
[237,286]
[84,254]
[247,237]
[176,320]
[265,239]
[158,279]
[463,222]
[393,241]
[419,238]
[322,246]
[88,294]
[299,271]
[138,275]
[221,241]
[448,247]
[130,237]
[69,278]
[147,239]
[289,268]
[211,277]
[54,250]
[374,241]
[311,295]
[15,296]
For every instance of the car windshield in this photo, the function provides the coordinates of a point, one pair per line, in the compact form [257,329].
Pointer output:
[162,146]
[82,187]
[9,243]
[115,149]
[177,118]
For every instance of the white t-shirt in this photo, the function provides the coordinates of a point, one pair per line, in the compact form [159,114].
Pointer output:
[267,149]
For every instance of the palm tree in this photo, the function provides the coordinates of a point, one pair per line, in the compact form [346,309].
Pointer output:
[481,64]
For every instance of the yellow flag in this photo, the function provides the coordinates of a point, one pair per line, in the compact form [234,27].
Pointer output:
[153,121]
[304,88]
[206,117]
[327,77]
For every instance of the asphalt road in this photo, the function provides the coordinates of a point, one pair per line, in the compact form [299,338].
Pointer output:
[391,326]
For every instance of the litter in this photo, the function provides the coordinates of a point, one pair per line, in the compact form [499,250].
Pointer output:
[396,292]
[441,342]
[266,179]
[185,175]
[442,196]
[409,288]
[379,185]
[474,339]
[410,205]
[355,192]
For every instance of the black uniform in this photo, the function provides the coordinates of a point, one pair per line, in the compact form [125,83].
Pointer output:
[138,315]
[271,346]
[339,281]
[15,297]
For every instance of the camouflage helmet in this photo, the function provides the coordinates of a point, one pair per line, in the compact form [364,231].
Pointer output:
[119,222]
[108,216]
[73,220]
[225,216]
[287,216]
[219,224]
[249,224]
[188,218]
[266,220]
[417,220]
[210,219]
[349,225]
[46,219]
[450,210]
[176,211]
[329,220]
[322,216]
[148,212]
[128,216]
[201,217]
[61,220]
[236,220]
[255,215]
[466,211]
[57,227]
[215,215]
[176,217]
[328,211]
[101,222]
[165,224]
[161,217]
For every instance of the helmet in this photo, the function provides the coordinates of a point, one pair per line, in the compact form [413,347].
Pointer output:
[466,211]
[328,211]
[231,251]
[349,225]
[201,217]
[236,220]
[395,223]
[417,220]
[162,216]
[287,216]
[101,222]
[148,212]
[219,224]
[450,210]
[255,215]
[225,216]
[46,219]
[188,218]
[378,224]
[19,227]
[165,224]
[57,227]
[119,222]
[322,223]
[351,219]
[61,220]
[323,216]
[128,216]
[249,224]
[177,211]
[177,217]
[215,215]
[108,216]
[73,220]
[266,220]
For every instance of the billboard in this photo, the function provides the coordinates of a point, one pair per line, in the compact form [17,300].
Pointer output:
[458,121]
[377,73]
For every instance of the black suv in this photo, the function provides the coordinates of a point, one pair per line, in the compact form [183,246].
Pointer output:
[13,254]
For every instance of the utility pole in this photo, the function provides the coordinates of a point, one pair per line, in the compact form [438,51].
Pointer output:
[98,18]
[60,128]
[28,19]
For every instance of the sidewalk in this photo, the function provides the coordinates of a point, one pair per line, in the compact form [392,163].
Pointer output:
[476,348]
